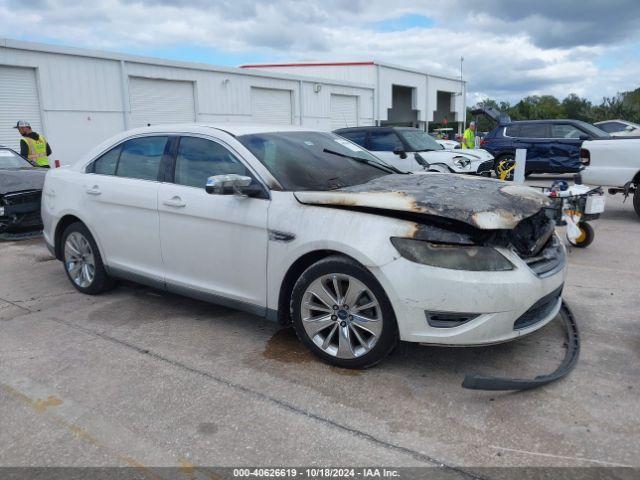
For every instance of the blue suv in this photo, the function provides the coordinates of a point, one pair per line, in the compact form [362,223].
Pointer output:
[553,146]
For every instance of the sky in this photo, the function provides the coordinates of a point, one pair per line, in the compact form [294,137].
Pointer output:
[511,48]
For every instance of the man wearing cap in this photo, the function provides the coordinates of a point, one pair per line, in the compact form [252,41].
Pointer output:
[33,146]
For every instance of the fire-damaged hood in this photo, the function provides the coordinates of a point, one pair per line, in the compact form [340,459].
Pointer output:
[482,203]
[16,180]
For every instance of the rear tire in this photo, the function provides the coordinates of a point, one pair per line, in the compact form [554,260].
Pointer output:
[82,261]
[342,314]
[636,200]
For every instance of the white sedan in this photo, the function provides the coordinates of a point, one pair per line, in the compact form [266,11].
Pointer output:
[306,228]
[619,128]
[447,144]
[413,150]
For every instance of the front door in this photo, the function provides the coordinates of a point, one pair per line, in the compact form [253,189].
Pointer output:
[565,152]
[213,246]
[382,143]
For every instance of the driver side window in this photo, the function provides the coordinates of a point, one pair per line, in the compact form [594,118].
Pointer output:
[385,141]
[199,159]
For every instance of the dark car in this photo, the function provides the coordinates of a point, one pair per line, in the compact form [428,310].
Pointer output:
[20,193]
[553,146]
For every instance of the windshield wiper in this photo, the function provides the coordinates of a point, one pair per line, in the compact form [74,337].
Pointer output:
[377,165]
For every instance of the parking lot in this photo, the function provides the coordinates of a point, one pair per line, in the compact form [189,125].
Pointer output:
[141,378]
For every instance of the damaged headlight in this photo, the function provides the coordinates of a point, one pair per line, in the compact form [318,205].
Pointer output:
[455,257]
[461,162]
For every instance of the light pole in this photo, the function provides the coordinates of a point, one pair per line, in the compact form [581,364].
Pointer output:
[464,106]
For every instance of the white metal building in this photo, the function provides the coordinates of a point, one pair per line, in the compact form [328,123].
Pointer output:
[402,95]
[78,97]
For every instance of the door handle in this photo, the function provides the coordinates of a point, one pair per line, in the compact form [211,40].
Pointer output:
[95,190]
[175,201]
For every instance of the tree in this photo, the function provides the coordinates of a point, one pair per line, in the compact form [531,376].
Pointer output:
[624,105]
[578,108]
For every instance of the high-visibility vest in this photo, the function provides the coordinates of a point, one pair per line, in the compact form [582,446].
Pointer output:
[468,139]
[38,150]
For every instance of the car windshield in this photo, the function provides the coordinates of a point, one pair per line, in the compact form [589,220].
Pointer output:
[314,160]
[595,131]
[418,141]
[10,159]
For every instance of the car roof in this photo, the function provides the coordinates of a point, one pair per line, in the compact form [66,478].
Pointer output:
[234,129]
[615,120]
[551,120]
[373,127]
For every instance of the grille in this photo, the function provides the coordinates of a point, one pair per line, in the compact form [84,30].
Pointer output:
[549,260]
[539,311]
[486,166]
[20,198]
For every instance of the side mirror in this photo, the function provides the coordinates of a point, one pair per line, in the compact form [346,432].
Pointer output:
[629,128]
[229,184]
[400,152]
[584,137]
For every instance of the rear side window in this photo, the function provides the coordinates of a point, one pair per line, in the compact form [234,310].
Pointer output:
[199,159]
[359,137]
[565,131]
[107,163]
[533,130]
[384,141]
[140,158]
[512,131]
[612,127]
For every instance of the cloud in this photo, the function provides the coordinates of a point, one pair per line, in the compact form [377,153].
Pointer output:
[510,48]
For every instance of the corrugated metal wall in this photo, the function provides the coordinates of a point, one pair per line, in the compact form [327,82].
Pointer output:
[383,77]
[85,98]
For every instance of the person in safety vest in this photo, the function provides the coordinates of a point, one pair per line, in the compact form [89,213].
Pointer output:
[33,146]
[469,136]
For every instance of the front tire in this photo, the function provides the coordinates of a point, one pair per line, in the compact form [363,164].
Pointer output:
[342,314]
[82,261]
[636,200]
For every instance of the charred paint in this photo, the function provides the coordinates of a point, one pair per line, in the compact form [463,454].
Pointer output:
[481,203]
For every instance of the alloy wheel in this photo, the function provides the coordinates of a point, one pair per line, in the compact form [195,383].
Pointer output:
[341,315]
[79,260]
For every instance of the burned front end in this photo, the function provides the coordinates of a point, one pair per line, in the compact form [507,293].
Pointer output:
[492,245]
[478,263]
[20,211]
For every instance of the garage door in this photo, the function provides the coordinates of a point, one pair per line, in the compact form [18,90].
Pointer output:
[344,111]
[18,101]
[271,106]
[155,102]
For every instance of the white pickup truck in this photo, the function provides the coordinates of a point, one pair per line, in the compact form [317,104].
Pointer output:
[614,164]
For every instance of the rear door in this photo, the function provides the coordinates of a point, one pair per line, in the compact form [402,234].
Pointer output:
[213,246]
[535,138]
[121,192]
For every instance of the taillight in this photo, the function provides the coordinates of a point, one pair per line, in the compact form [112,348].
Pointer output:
[56,163]
[483,142]
[585,156]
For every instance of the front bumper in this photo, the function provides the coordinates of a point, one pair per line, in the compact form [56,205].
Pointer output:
[21,211]
[495,301]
